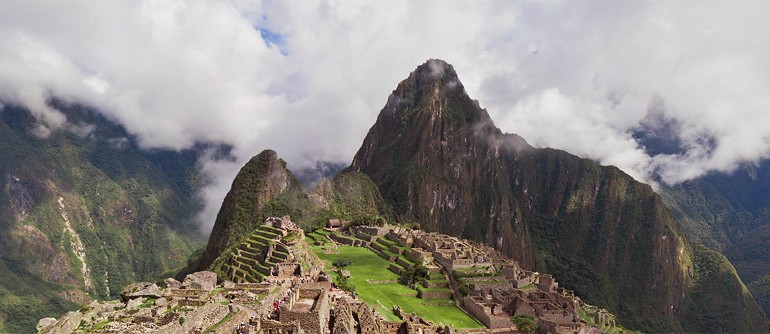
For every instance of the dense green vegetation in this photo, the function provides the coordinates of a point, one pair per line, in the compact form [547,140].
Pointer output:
[24,299]
[130,208]
[729,213]
[526,323]
[712,302]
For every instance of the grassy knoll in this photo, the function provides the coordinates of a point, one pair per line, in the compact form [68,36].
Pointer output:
[366,265]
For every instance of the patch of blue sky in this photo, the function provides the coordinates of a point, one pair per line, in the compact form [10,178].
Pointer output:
[273,39]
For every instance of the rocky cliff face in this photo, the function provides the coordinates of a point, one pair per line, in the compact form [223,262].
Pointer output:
[438,159]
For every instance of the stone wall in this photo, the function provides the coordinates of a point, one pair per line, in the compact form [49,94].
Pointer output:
[314,320]
[364,236]
[435,294]
[402,262]
[276,327]
[374,230]
[199,319]
[483,313]
[378,246]
[394,268]
[486,285]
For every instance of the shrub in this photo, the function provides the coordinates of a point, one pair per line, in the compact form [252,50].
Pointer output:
[341,263]
[526,323]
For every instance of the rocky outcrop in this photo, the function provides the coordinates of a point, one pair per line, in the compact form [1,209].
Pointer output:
[439,160]
[22,195]
[204,280]
[141,289]
[66,325]
[44,323]
[172,283]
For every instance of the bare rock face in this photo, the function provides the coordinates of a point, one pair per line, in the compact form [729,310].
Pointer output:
[134,303]
[141,289]
[66,325]
[22,194]
[205,280]
[44,323]
[173,283]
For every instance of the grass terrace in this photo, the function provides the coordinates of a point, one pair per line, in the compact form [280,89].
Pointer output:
[370,275]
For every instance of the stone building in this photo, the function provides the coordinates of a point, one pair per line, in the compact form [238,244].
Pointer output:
[310,306]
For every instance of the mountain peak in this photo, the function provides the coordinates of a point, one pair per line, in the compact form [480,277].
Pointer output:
[436,69]
[433,73]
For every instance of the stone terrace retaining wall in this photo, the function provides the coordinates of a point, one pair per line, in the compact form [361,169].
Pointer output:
[435,294]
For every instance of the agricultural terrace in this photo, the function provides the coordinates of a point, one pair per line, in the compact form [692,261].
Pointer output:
[378,286]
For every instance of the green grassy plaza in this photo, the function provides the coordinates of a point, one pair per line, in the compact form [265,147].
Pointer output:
[366,265]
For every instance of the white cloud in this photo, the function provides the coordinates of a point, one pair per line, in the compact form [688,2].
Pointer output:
[575,76]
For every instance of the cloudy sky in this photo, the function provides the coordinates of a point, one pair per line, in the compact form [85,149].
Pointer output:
[307,78]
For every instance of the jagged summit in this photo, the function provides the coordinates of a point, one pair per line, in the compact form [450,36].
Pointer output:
[431,107]
[435,69]
[429,88]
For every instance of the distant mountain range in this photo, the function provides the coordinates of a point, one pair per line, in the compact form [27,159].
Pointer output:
[731,213]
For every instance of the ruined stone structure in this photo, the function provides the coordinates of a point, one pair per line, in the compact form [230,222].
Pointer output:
[310,306]
[450,252]
[290,299]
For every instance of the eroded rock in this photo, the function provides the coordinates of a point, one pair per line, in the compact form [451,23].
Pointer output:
[44,323]
[66,325]
[141,289]
[204,280]
[173,283]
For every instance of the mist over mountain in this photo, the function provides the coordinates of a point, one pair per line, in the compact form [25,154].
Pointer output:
[84,212]
[242,73]
[438,159]
[435,158]
[140,115]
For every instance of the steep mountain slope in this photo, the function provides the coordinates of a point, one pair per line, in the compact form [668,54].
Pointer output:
[264,187]
[263,178]
[87,212]
[438,159]
[730,213]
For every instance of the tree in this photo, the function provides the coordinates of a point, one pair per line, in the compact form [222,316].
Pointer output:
[526,323]
[413,275]
[341,263]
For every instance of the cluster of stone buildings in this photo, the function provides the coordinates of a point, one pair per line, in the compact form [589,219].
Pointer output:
[297,297]
[449,252]
[498,288]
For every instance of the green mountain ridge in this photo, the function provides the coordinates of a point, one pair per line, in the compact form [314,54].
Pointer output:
[730,213]
[87,212]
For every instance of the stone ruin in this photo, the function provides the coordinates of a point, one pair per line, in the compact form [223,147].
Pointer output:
[296,301]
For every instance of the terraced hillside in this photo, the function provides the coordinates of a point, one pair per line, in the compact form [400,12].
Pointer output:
[375,279]
[450,281]
[259,253]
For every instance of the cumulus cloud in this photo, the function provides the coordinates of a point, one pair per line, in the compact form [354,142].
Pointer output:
[308,78]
